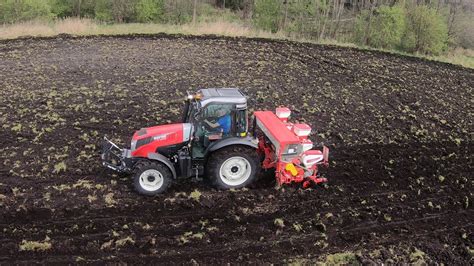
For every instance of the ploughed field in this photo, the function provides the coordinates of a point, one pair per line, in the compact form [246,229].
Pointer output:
[400,131]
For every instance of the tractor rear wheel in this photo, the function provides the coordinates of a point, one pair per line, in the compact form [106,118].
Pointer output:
[233,167]
[151,178]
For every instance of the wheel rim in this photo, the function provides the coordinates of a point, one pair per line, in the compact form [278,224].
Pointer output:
[235,171]
[151,180]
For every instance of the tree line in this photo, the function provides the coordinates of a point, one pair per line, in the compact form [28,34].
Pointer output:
[116,11]
[424,26]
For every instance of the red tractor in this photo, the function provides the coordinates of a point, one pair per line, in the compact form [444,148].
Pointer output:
[214,140]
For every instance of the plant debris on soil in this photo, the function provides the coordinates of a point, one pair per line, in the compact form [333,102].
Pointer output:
[400,131]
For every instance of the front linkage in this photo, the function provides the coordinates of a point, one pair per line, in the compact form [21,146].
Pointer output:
[116,158]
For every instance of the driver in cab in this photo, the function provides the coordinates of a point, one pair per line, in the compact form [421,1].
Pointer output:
[223,122]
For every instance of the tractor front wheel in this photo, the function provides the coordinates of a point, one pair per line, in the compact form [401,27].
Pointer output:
[233,167]
[151,178]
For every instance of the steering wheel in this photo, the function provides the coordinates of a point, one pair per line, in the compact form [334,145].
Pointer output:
[208,127]
[212,119]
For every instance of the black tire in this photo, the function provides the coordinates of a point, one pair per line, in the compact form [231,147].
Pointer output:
[158,173]
[223,156]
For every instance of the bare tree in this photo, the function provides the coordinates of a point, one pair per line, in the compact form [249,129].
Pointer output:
[369,23]
[247,10]
[337,11]
[454,8]
[325,18]
[121,10]
[194,12]
[79,2]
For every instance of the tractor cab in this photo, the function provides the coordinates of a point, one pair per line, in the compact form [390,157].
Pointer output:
[215,114]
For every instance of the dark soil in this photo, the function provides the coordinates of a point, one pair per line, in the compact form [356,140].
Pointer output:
[400,131]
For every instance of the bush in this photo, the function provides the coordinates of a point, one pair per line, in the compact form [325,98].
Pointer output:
[297,17]
[62,8]
[72,8]
[149,10]
[386,28]
[103,11]
[120,11]
[360,28]
[463,30]
[12,11]
[389,25]
[232,4]
[426,31]
[178,11]
[267,14]
[208,13]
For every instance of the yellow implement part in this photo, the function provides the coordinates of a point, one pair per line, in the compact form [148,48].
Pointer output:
[291,168]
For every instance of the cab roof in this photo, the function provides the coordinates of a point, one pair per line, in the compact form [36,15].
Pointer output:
[223,95]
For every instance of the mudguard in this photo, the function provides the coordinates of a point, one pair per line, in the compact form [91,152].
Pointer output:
[247,141]
[164,160]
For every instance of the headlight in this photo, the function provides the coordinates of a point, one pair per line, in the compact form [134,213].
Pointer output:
[133,145]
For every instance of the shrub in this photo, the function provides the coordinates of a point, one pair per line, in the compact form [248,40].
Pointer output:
[426,31]
[298,13]
[72,8]
[463,30]
[360,27]
[178,11]
[267,14]
[386,28]
[12,11]
[119,11]
[62,8]
[149,10]
[103,11]
[389,24]
[208,13]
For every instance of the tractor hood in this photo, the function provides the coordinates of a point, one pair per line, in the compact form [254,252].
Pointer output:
[147,140]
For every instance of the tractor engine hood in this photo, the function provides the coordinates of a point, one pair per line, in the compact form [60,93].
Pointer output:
[147,140]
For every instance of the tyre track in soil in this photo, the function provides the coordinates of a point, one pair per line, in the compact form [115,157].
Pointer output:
[380,174]
[47,222]
[336,232]
[103,225]
[382,227]
[45,218]
[308,239]
[338,178]
[240,249]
